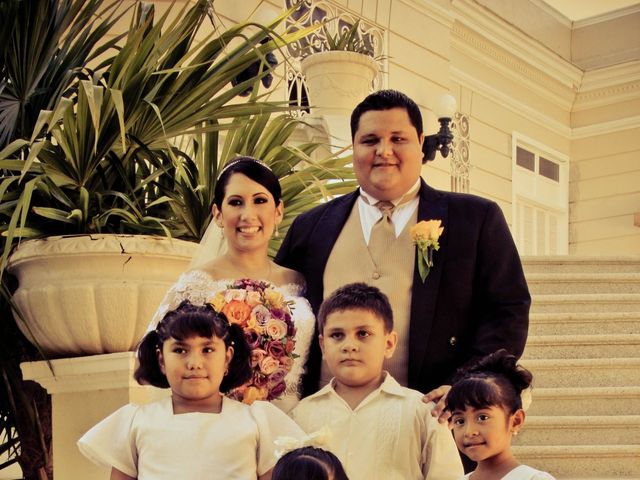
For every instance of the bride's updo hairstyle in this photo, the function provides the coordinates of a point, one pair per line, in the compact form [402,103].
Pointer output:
[255,169]
[189,320]
[494,380]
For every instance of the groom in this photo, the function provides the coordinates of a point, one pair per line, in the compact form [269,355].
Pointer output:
[475,298]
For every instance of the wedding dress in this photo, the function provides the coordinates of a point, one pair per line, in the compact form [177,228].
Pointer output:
[199,287]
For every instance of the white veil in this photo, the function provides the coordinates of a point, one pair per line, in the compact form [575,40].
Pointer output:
[211,246]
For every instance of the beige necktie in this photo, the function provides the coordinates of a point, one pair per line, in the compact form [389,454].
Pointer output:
[383,233]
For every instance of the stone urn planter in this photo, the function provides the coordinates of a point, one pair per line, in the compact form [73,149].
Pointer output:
[336,82]
[93,294]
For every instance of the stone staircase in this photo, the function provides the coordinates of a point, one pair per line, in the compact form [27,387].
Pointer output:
[584,352]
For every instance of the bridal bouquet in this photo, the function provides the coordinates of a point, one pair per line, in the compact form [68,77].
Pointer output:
[261,310]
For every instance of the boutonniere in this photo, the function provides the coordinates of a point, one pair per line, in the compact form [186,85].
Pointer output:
[425,235]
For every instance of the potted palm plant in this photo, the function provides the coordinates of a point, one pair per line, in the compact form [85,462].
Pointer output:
[96,154]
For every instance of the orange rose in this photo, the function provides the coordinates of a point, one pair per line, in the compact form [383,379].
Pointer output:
[237,312]
[251,394]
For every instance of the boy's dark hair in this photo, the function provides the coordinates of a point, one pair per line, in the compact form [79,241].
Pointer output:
[386,100]
[357,296]
[495,379]
[186,321]
[308,463]
[252,168]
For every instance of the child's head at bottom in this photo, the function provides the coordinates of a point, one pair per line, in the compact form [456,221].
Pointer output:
[193,350]
[309,463]
[356,333]
[486,405]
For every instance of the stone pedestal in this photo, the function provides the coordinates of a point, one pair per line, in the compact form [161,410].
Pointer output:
[84,390]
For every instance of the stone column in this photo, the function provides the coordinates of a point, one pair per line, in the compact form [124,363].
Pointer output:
[84,390]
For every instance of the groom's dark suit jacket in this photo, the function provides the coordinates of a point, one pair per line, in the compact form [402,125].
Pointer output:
[474,301]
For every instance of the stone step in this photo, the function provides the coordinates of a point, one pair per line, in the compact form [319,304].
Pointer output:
[580,400]
[584,372]
[582,461]
[583,323]
[580,264]
[563,283]
[583,346]
[573,303]
[580,430]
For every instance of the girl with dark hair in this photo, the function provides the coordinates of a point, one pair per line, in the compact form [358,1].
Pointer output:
[309,463]
[196,432]
[247,209]
[487,410]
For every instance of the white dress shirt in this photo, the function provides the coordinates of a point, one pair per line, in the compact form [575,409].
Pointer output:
[370,214]
[390,435]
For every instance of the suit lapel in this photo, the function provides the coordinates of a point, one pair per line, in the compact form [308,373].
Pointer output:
[326,233]
[433,206]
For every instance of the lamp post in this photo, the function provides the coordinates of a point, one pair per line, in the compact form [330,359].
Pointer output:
[444,109]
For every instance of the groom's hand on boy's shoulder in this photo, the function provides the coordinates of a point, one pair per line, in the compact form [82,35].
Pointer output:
[439,397]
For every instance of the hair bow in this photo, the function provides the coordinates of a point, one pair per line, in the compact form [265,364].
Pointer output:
[525,398]
[319,438]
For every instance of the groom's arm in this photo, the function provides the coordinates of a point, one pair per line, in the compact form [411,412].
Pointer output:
[501,295]
[292,249]
[501,300]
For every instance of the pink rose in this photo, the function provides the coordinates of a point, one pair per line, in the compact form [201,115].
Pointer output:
[276,329]
[286,363]
[253,299]
[261,313]
[260,380]
[276,377]
[252,337]
[268,365]
[289,346]
[257,355]
[291,332]
[277,390]
[275,349]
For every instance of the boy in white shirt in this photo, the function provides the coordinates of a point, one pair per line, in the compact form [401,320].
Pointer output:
[379,429]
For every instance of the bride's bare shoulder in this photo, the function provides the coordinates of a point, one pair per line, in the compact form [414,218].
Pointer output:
[214,269]
[284,276]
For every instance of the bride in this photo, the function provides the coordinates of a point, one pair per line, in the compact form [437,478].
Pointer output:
[248,208]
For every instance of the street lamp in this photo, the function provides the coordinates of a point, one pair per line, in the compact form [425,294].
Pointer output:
[444,109]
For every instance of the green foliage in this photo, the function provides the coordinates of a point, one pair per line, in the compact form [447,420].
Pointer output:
[348,40]
[96,161]
[305,181]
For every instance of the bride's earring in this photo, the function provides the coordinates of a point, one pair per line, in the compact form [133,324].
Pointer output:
[276,233]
